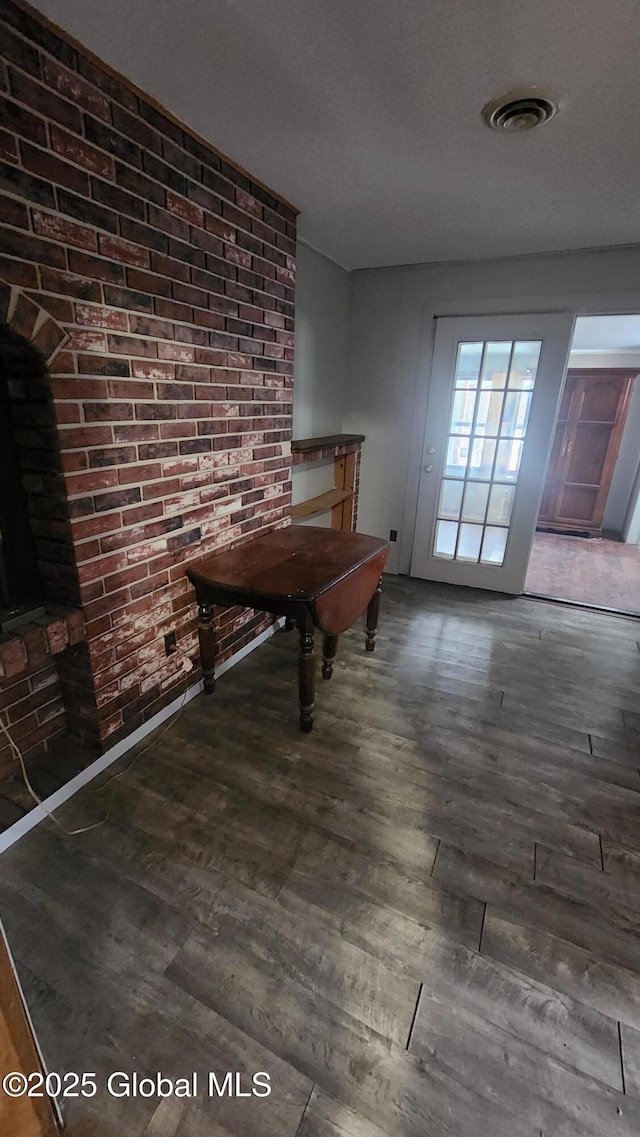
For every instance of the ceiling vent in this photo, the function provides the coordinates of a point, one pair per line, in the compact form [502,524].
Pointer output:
[518,113]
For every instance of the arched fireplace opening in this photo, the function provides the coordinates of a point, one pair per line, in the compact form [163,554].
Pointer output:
[37,565]
[45,680]
[22,407]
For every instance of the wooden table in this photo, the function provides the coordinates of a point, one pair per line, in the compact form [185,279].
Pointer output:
[316,578]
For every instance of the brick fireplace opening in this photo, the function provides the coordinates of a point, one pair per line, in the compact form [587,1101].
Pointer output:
[39,616]
[22,406]
[150,283]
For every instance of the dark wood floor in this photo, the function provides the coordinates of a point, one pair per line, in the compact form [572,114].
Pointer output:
[421,920]
[601,572]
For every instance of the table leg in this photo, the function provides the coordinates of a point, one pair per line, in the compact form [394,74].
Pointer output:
[289,623]
[373,611]
[306,677]
[329,650]
[207,640]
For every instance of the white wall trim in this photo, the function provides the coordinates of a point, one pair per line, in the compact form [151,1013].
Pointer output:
[35,816]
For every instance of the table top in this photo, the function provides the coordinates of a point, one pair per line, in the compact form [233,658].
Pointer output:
[297,563]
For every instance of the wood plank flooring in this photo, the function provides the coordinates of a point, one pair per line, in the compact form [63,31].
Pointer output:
[421,920]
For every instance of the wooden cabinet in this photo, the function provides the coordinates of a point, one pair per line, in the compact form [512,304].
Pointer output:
[585,447]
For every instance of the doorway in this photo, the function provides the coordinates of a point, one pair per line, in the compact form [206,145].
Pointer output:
[585,549]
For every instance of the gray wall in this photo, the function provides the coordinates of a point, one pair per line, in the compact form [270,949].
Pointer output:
[322,327]
[391,338]
[626,469]
[621,492]
[631,531]
[321,363]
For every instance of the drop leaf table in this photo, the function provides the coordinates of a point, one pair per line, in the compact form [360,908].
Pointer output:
[315,577]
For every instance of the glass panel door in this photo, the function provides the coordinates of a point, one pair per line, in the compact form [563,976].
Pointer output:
[493,398]
[493,386]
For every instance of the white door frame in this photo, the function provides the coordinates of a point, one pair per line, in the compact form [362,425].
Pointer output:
[576,303]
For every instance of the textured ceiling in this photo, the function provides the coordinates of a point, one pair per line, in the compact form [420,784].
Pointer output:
[366,113]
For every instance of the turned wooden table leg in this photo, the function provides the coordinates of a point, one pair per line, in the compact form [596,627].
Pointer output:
[373,611]
[329,649]
[207,640]
[306,678]
[289,623]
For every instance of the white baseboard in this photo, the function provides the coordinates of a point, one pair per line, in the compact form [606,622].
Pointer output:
[50,804]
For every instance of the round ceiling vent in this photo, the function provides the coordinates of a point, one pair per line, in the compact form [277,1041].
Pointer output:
[519,113]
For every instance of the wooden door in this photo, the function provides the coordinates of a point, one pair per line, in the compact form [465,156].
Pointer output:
[19,1052]
[588,432]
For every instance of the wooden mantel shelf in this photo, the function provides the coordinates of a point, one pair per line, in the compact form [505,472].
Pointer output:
[342,500]
[325,446]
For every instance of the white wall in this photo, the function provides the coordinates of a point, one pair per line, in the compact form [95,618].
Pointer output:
[391,340]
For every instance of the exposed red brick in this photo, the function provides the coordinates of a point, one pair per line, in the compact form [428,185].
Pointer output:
[66,232]
[49,336]
[57,636]
[81,340]
[183,208]
[146,326]
[47,165]
[126,389]
[77,150]
[42,99]
[99,317]
[79,92]
[8,147]
[96,267]
[81,437]
[123,251]
[172,280]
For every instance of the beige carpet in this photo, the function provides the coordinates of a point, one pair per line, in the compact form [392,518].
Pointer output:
[605,573]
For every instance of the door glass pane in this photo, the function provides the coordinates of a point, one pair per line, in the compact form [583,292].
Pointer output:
[475,501]
[450,499]
[468,364]
[524,364]
[516,414]
[500,504]
[508,460]
[489,413]
[469,543]
[482,454]
[464,403]
[491,400]
[457,454]
[494,545]
[495,366]
[446,534]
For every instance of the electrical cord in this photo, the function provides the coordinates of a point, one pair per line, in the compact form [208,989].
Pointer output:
[187,667]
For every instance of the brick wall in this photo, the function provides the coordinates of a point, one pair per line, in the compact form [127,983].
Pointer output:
[33,709]
[172,274]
